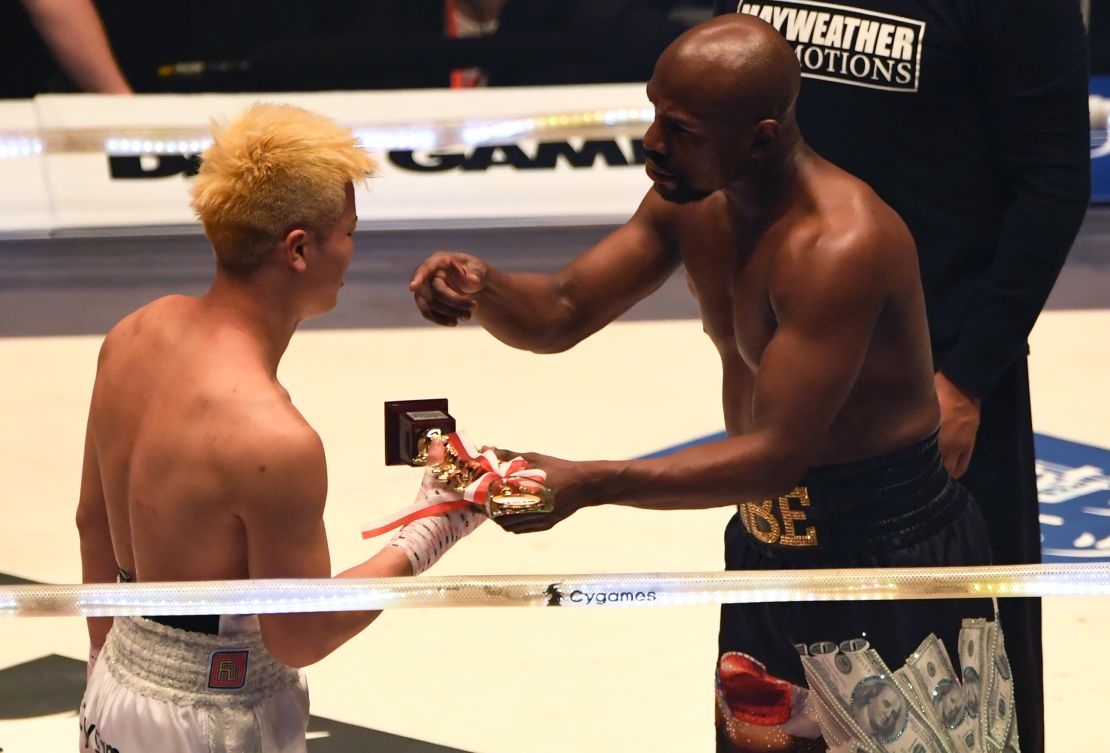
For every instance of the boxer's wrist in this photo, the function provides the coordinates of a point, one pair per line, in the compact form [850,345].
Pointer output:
[425,540]
[604,481]
[493,282]
[631,482]
[395,561]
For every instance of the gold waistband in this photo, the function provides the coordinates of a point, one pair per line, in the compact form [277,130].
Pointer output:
[778,521]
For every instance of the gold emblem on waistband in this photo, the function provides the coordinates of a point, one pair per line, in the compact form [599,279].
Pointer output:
[773,521]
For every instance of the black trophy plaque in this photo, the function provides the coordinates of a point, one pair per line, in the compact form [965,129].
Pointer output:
[409,423]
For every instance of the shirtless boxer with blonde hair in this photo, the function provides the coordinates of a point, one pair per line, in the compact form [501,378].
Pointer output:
[198,466]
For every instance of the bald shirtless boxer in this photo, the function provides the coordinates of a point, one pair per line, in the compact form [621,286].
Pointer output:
[808,286]
[198,466]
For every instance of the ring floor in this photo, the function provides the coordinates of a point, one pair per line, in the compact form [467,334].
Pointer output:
[478,680]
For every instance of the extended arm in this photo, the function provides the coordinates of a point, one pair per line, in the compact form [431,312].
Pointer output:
[806,373]
[550,313]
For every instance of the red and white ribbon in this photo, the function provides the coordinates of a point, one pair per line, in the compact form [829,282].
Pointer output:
[478,490]
[436,497]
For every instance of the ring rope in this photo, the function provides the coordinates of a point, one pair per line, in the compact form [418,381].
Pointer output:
[634,589]
[426,135]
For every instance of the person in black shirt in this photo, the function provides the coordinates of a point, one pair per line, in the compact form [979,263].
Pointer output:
[969,117]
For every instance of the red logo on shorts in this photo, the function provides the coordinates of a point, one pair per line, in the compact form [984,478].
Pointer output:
[228,670]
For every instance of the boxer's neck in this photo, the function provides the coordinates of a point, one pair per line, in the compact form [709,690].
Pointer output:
[254,308]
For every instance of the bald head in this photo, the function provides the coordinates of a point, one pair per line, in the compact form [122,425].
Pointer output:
[724,96]
[733,63]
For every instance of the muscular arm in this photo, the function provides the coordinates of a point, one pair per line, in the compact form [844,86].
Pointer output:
[283,517]
[550,313]
[98,561]
[806,373]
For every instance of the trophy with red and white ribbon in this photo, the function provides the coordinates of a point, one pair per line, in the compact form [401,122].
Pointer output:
[421,433]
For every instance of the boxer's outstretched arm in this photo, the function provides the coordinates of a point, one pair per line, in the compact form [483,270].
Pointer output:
[550,313]
[806,373]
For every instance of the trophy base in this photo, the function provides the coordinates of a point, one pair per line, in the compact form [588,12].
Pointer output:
[518,497]
[496,510]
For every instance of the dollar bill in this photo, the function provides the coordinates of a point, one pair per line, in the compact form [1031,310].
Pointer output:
[935,685]
[973,637]
[1001,720]
[837,726]
[860,690]
[988,685]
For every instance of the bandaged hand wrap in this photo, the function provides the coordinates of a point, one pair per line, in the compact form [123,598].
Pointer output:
[425,540]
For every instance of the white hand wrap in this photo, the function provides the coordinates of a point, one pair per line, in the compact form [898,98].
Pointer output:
[425,540]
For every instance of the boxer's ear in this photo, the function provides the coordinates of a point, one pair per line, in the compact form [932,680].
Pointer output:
[764,136]
[293,250]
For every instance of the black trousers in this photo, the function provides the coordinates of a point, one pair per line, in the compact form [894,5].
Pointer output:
[1003,480]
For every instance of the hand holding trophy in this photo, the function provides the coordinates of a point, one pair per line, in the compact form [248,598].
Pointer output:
[421,433]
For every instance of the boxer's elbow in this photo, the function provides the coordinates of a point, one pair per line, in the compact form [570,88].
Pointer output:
[291,639]
[568,317]
[568,325]
[781,464]
[92,526]
[293,653]
[86,521]
[543,331]
[536,339]
[554,341]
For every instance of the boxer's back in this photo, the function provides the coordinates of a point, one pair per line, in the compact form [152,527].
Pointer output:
[179,395]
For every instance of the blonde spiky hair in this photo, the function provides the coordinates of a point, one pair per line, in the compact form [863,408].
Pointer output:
[272,169]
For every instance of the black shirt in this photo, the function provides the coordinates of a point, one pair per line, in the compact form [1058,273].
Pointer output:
[968,117]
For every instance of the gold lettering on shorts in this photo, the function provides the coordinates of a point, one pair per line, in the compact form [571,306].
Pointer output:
[774,521]
[761,522]
[791,516]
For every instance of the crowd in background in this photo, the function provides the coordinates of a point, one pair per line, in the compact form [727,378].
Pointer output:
[112,46]
[304,45]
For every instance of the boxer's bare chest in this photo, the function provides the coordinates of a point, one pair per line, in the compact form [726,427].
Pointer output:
[730,269]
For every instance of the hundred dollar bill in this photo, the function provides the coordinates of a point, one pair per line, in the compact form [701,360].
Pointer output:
[988,686]
[868,703]
[935,685]
[998,707]
[837,727]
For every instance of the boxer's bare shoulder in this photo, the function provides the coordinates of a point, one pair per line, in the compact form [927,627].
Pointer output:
[851,236]
[269,453]
[136,325]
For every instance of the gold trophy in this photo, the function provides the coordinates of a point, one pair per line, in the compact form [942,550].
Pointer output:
[411,427]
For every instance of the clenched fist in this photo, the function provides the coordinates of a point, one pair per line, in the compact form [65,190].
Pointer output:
[446,286]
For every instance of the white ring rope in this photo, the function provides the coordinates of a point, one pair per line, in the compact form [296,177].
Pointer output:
[429,135]
[636,589]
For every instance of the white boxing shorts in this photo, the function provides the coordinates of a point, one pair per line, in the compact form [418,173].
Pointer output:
[157,688]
